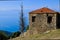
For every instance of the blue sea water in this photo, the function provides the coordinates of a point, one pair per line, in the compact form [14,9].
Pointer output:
[10,20]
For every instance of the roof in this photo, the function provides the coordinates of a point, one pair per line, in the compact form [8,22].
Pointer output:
[43,10]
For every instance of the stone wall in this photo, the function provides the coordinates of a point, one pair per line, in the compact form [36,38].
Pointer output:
[52,25]
[40,25]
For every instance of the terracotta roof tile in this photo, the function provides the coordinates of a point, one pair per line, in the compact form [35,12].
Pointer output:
[43,10]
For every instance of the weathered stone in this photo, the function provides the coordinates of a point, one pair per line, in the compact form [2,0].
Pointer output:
[41,21]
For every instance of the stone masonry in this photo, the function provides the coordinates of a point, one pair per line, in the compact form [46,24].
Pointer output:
[41,19]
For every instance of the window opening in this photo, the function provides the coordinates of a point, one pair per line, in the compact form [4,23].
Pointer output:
[33,18]
[49,19]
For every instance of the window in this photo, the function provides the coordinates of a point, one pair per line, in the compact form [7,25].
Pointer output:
[49,19]
[33,18]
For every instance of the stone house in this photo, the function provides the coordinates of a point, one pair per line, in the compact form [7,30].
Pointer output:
[43,19]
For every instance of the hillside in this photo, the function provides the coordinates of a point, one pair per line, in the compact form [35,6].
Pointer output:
[6,32]
[53,34]
[4,35]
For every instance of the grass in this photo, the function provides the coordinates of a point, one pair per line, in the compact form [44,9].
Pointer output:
[49,35]
[54,34]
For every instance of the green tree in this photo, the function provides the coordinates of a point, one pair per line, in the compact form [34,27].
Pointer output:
[27,28]
[15,34]
[3,36]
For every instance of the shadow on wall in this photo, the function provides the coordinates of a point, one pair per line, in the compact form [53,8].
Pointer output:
[58,21]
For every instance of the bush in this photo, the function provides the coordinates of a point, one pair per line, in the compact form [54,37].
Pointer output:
[3,36]
[27,28]
[15,34]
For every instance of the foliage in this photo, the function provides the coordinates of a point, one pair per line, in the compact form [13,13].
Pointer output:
[15,34]
[27,28]
[3,36]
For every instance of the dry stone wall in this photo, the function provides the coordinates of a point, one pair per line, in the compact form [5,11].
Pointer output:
[41,25]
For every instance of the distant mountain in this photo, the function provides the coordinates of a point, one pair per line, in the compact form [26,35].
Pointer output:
[6,32]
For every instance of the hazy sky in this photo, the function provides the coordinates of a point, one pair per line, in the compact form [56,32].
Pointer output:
[10,11]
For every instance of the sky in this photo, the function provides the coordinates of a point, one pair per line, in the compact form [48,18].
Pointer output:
[10,11]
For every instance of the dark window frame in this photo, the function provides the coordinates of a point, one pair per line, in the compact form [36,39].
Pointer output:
[49,19]
[33,18]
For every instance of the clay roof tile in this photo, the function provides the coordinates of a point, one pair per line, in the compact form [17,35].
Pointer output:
[43,10]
